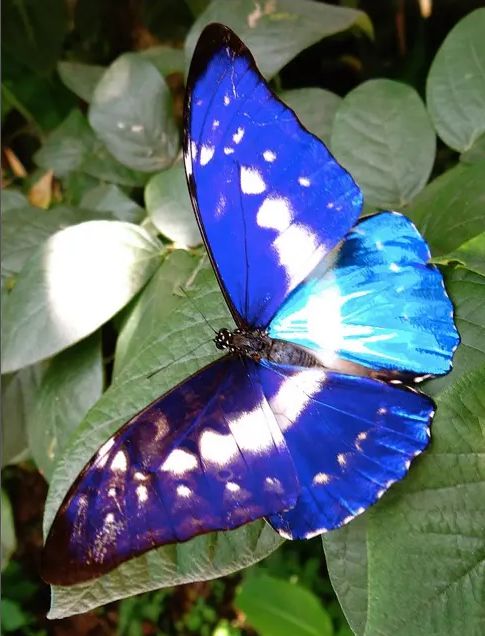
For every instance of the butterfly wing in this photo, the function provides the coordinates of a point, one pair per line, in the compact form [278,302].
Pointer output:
[350,438]
[206,456]
[270,199]
[381,305]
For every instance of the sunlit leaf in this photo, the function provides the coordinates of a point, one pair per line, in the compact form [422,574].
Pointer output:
[470,254]
[110,198]
[73,283]
[383,136]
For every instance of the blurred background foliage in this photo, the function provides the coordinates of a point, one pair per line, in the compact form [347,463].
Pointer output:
[99,236]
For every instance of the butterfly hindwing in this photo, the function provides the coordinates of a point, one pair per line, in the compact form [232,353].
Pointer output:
[270,198]
[380,305]
[350,438]
[206,456]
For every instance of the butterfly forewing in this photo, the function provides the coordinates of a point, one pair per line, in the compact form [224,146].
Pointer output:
[270,199]
[206,456]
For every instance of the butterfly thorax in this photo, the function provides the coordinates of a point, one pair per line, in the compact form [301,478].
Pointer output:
[257,345]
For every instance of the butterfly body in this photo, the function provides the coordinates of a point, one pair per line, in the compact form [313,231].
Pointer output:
[311,414]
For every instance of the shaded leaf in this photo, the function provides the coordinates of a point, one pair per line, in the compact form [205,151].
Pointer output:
[108,197]
[73,283]
[131,111]
[476,152]
[169,207]
[383,136]
[467,291]
[12,200]
[315,107]
[80,78]
[18,391]
[449,211]
[180,333]
[275,31]
[455,90]
[9,541]
[71,384]
[154,306]
[279,608]
[167,59]
[429,529]
[470,254]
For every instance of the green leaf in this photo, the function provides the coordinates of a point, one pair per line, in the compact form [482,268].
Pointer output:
[455,90]
[24,229]
[279,608]
[9,541]
[424,542]
[476,153]
[167,59]
[449,211]
[81,79]
[131,111]
[18,390]
[12,200]
[169,207]
[33,32]
[71,384]
[155,305]
[315,107]
[183,344]
[275,32]
[14,617]
[383,136]
[108,197]
[467,291]
[470,254]
[73,283]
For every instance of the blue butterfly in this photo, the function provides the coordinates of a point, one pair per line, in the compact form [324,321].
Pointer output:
[305,420]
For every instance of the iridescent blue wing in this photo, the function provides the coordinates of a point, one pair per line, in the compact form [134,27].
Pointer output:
[350,438]
[270,199]
[206,456]
[380,305]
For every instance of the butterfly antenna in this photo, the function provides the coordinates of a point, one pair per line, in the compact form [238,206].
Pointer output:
[198,310]
[169,364]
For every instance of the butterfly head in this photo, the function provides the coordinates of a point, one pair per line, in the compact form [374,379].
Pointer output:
[252,344]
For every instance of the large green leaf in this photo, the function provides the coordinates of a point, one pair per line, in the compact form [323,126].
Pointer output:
[467,291]
[12,200]
[131,111]
[166,59]
[71,384]
[449,211]
[383,136]
[455,90]
[279,608]
[422,561]
[315,108]
[182,345]
[470,254]
[169,207]
[156,303]
[275,31]
[24,229]
[476,152]
[73,283]
[18,390]
[80,78]
[108,197]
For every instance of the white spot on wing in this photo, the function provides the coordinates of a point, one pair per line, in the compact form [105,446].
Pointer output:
[394,267]
[206,154]
[274,213]
[119,462]
[227,100]
[304,181]
[232,487]
[228,150]
[342,459]
[183,491]
[142,493]
[294,394]
[321,478]
[269,155]
[251,181]
[217,448]
[179,462]
[238,135]
[298,251]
